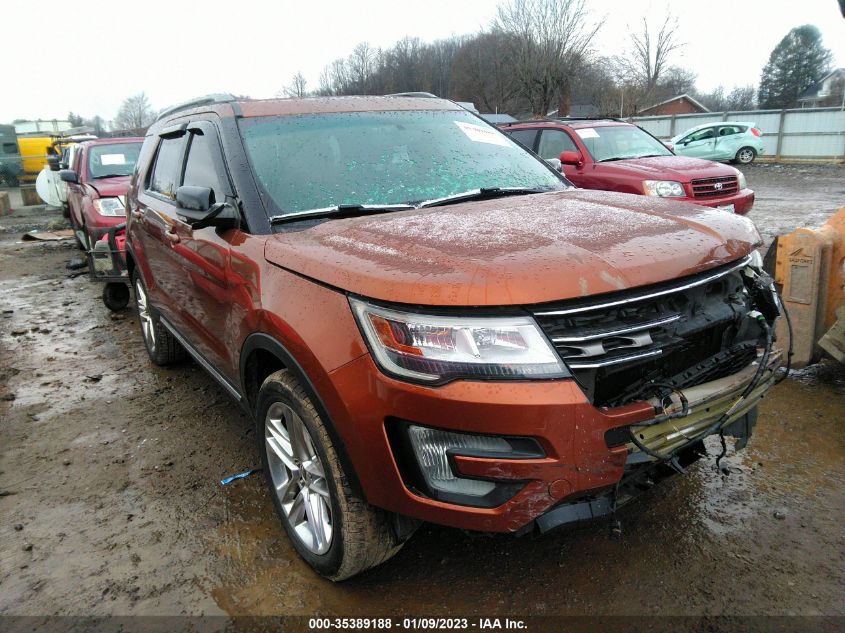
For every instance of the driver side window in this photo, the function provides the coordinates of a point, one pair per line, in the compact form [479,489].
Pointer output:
[201,167]
[701,135]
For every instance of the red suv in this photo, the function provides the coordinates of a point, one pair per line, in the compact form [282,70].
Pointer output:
[96,186]
[613,155]
[427,323]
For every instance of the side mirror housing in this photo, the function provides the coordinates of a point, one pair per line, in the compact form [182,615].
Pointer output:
[571,158]
[670,147]
[53,163]
[197,209]
[194,198]
[68,175]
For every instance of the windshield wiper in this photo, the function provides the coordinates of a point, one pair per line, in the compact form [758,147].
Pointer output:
[480,194]
[339,210]
[109,176]
[653,155]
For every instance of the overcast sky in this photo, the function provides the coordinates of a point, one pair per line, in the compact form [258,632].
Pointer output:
[175,50]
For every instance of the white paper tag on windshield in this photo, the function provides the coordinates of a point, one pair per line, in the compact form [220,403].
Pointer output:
[587,132]
[480,134]
[112,159]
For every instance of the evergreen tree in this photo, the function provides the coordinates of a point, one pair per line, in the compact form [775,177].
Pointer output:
[796,63]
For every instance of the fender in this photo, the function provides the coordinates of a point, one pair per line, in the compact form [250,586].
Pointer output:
[261,341]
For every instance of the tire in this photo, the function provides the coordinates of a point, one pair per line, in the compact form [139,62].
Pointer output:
[116,296]
[745,155]
[355,536]
[65,210]
[162,347]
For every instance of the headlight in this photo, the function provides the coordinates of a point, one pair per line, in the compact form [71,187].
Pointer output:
[435,349]
[663,188]
[742,183]
[112,207]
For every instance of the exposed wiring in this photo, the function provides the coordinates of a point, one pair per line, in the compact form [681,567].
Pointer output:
[717,425]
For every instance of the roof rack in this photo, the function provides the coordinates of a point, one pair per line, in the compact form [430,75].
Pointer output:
[563,119]
[420,95]
[217,97]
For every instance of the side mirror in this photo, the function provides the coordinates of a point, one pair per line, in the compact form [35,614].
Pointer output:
[571,158]
[670,147]
[53,163]
[68,175]
[194,198]
[197,210]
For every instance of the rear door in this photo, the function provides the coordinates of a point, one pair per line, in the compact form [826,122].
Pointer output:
[729,139]
[74,191]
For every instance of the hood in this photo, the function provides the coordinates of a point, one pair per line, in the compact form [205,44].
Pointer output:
[680,168]
[514,250]
[106,187]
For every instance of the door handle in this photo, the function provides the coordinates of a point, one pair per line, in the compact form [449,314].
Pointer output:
[172,237]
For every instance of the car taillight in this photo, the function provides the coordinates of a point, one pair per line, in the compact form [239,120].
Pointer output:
[756,132]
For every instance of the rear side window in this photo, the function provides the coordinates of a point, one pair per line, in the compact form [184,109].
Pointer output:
[553,142]
[168,167]
[201,167]
[10,148]
[526,137]
[730,130]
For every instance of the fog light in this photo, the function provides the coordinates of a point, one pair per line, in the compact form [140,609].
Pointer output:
[433,447]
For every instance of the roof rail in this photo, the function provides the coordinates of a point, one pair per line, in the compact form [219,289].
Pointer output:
[217,97]
[586,118]
[420,95]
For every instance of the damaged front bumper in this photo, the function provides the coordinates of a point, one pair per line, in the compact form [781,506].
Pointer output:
[706,404]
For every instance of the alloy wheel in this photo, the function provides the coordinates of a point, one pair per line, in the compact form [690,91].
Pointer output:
[746,156]
[299,477]
[147,326]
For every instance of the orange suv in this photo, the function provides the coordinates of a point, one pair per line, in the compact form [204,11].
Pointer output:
[428,323]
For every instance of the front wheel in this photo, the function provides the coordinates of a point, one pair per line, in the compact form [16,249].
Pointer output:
[338,534]
[745,155]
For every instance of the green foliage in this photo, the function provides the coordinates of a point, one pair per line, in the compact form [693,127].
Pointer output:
[795,64]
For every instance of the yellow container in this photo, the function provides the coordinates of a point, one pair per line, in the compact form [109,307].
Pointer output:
[34,154]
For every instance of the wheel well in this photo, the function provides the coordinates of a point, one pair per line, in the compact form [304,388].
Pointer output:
[258,366]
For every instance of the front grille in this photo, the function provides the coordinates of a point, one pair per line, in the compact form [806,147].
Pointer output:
[622,344]
[715,187]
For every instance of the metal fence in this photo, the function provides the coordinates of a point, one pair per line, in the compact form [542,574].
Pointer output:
[809,134]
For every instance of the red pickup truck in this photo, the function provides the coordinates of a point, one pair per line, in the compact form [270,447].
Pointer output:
[612,155]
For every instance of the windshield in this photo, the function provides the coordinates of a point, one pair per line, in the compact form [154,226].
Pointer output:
[384,158]
[617,142]
[114,159]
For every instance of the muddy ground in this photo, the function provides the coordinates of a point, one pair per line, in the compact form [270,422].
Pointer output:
[111,502]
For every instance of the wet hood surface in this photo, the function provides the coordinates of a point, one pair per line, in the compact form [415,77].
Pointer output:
[105,187]
[680,168]
[515,250]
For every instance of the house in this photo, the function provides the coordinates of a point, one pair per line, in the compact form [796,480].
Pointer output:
[682,104]
[827,91]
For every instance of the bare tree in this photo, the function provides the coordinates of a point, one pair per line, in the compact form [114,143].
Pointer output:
[548,40]
[135,113]
[296,87]
[648,59]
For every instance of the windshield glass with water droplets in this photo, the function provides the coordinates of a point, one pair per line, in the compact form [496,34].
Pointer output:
[383,158]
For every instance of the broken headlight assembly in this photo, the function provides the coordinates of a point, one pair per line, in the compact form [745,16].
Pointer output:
[436,349]
[111,207]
